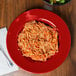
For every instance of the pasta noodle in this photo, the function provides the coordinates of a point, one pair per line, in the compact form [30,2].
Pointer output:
[38,41]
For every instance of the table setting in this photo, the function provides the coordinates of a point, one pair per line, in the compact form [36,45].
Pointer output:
[27,41]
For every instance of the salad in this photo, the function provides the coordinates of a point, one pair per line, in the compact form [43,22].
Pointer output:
[55,1]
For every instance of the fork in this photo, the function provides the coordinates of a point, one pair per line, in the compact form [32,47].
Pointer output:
[1,49]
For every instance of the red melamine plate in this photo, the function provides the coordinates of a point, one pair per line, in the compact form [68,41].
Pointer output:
[46,17]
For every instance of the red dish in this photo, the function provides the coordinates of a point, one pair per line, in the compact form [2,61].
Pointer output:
[46,17]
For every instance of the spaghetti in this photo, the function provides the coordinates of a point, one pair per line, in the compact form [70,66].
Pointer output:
[38,41]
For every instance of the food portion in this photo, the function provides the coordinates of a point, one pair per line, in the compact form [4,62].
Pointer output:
[56,1]
[38,41]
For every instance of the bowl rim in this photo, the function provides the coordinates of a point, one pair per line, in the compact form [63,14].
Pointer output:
[26,69]
[56,4]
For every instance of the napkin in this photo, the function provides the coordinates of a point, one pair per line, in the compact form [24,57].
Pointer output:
[5,67]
